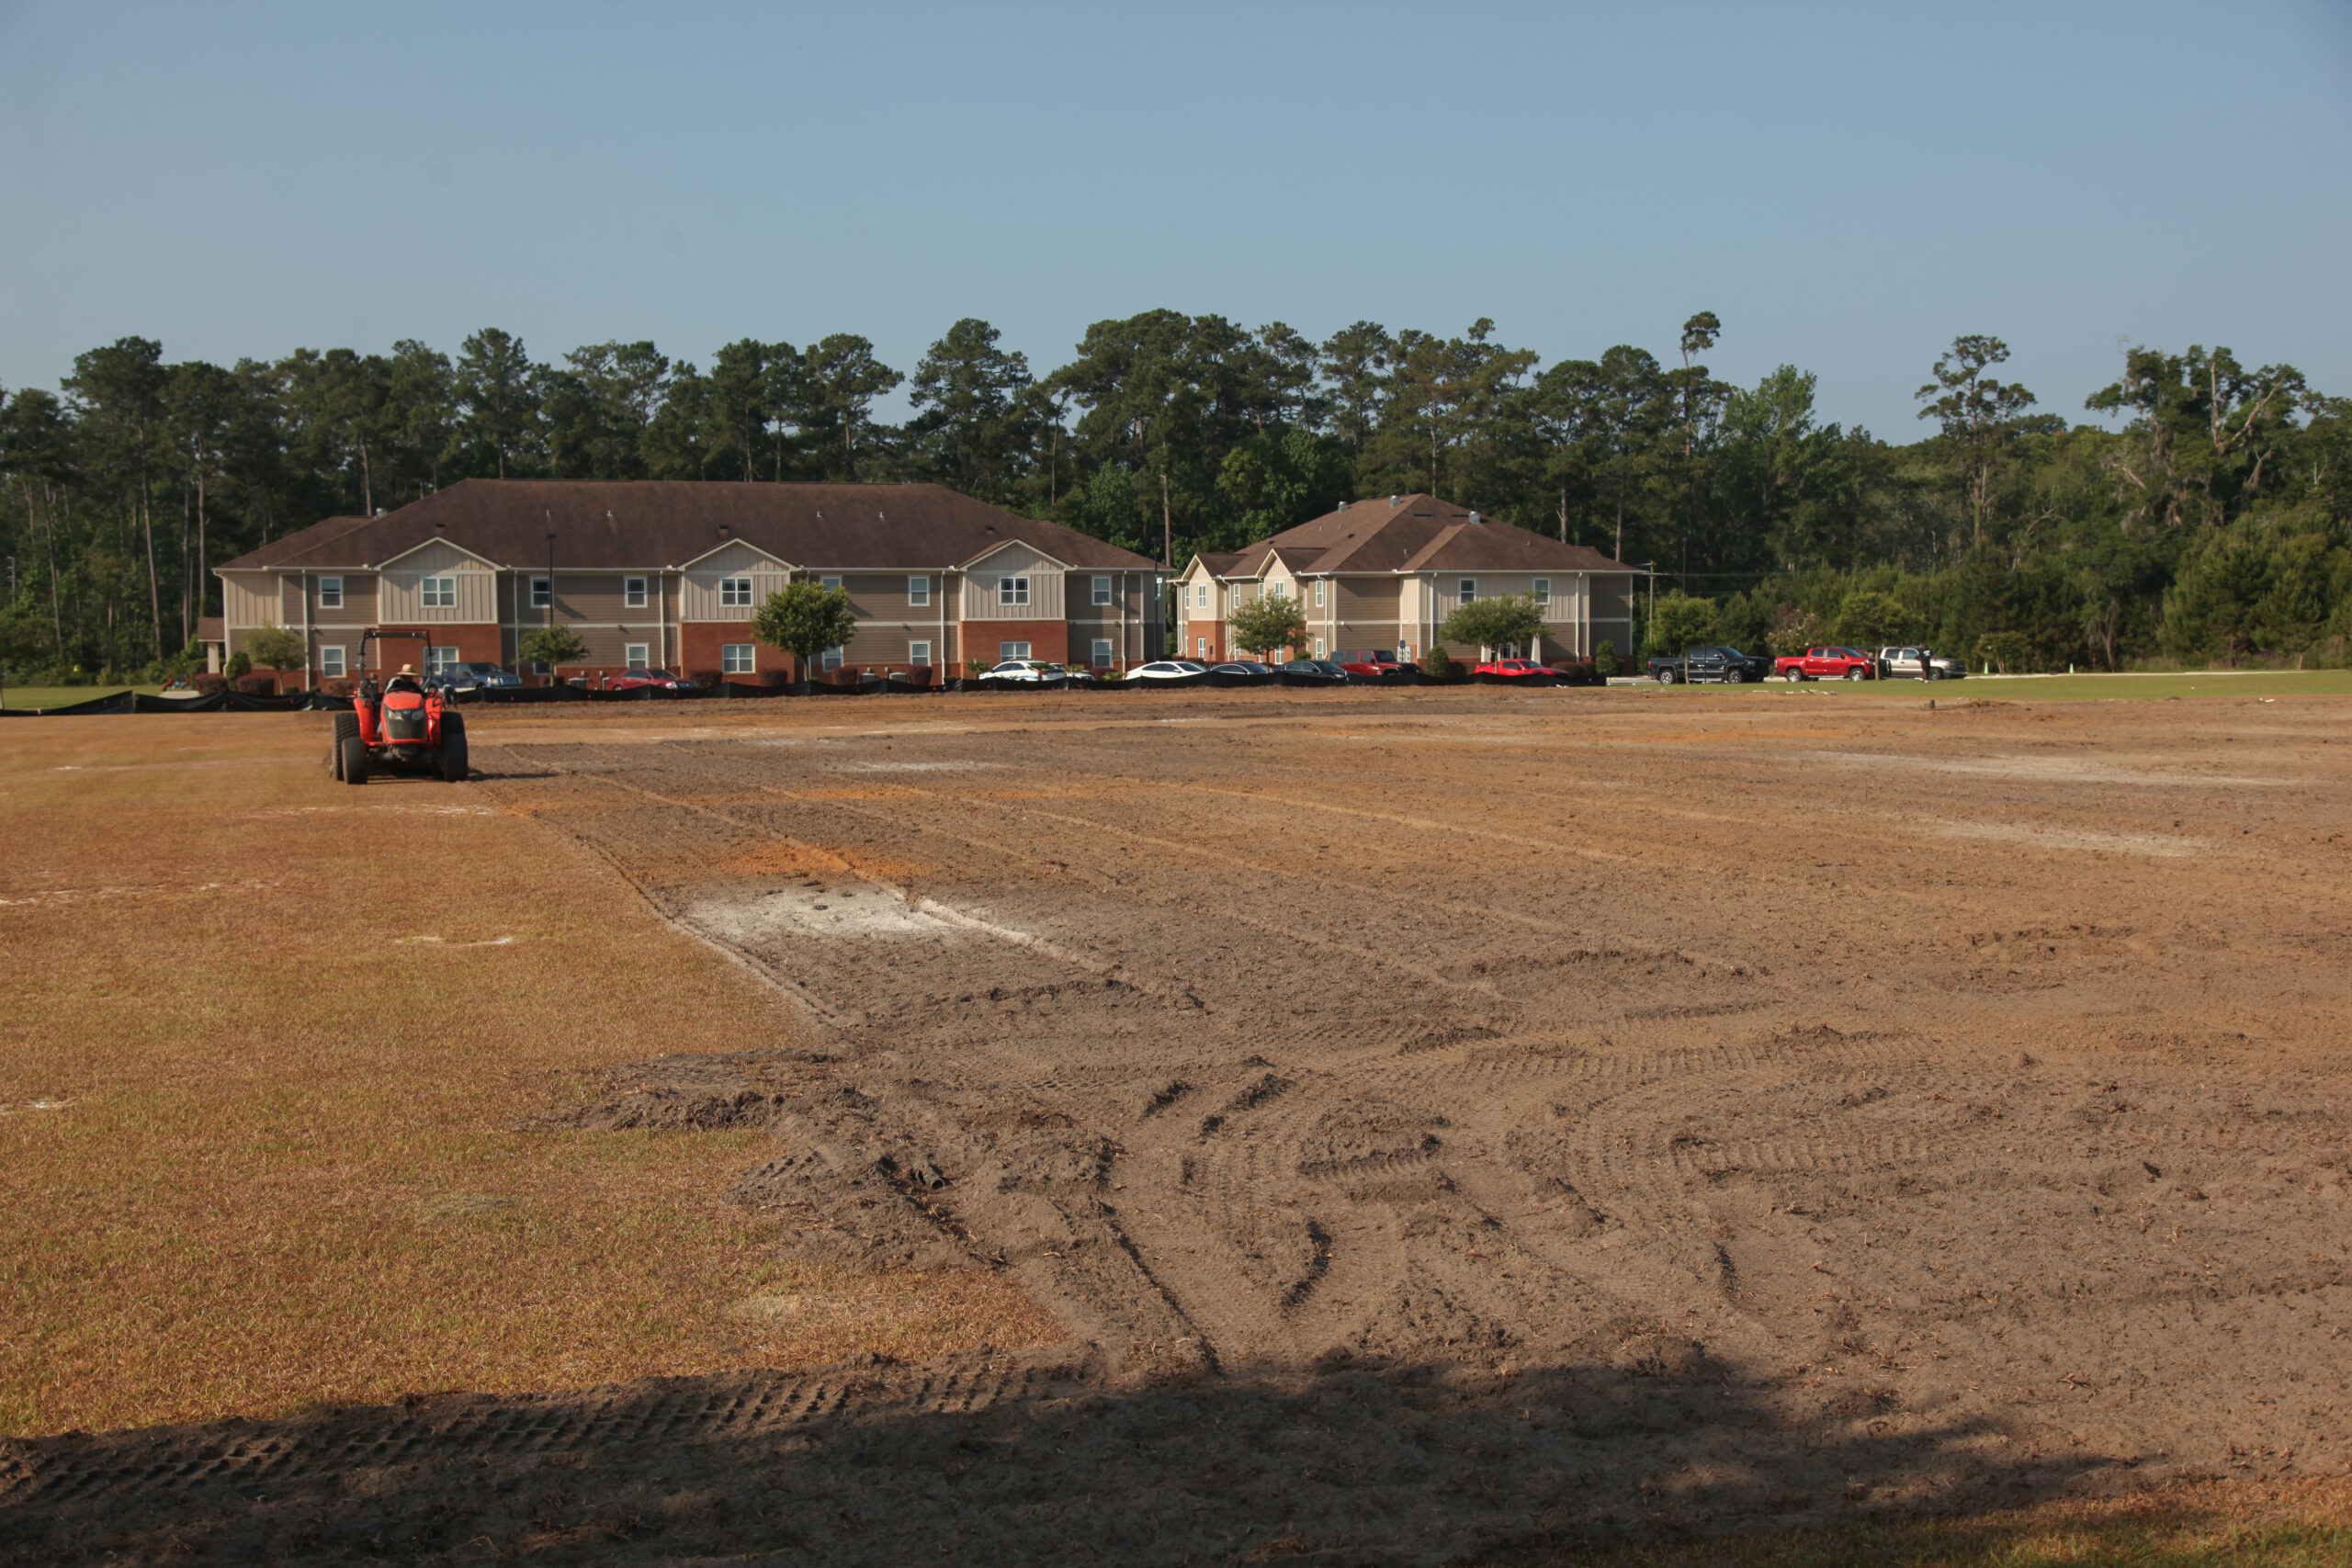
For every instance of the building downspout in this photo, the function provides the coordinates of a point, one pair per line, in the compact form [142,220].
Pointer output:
[309,652]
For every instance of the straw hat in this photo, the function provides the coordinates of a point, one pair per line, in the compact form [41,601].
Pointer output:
[407,669]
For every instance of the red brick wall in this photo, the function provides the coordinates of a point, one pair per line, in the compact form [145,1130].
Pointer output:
[699,642]
[1195,631]
[1046,639]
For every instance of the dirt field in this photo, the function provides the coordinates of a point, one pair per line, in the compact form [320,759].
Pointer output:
[1446,1125]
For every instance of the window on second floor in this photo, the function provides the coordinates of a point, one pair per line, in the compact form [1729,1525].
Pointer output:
[1101,591]
[828,583]
[1200,596]
[542,592]
[440,592]
[1277,591]
[1543,590]
[1469,594]
[633,593]
[918,591]
[735,592]
[1013,590]
[330,594]
[1318,598]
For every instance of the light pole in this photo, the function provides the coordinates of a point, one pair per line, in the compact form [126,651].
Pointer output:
[551,623]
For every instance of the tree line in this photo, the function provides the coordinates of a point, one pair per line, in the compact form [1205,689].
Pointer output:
[2215,523]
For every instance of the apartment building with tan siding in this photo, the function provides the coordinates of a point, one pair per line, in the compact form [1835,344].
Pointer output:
[1384,573]
[669,574]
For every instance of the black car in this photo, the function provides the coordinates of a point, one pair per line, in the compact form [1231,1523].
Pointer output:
[1241,672]
[1313,672]
[1712,663]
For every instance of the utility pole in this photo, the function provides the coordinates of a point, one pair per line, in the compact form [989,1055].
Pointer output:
[550,622]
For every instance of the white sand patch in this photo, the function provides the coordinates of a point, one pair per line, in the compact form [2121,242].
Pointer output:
[440,943]
[863,912]
[908,767]
[138,890]
[389,809]
[2043,770]
[34,1105]
[2072,839]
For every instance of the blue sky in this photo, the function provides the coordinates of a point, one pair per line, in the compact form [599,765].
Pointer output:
[1848,186]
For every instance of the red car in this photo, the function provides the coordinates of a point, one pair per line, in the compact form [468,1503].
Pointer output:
[1827,664]
[1374,664]
[1517,672]
[631,680]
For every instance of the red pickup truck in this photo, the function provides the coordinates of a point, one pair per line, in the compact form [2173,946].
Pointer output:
[1827,664]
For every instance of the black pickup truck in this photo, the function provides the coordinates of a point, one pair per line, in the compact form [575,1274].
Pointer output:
[1712,663]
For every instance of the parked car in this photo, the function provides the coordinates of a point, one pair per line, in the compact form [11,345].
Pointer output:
[1518,672]
[1169,672]
[1029,672]
[1903,664]
[1375,664]
[1313,672]
[1828,664]
[1241,672]
[1712,663]
[659,680]
[480,675]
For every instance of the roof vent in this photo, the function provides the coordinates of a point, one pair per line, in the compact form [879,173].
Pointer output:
[1343,505]
[724,530]
[1393,501]
[1475,518]
[379,511]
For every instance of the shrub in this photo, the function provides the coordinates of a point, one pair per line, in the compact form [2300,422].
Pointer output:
[258,686]
[706,679]
[1604,661]
[239,665]
[2004,650]
[339,687]
[206,684]
[1680,623]
[1437,662]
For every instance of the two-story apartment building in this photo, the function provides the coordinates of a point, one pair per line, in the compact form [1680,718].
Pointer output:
[1386,573]
[667,574]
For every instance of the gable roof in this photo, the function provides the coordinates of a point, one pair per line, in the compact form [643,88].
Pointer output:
[609,524]
[1414,533]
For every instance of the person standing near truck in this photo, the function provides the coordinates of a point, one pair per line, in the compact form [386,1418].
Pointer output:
[1927,664]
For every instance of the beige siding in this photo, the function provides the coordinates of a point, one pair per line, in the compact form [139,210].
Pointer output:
[401,593]
[358,605]
[699,595]
[982,596]
[249,599]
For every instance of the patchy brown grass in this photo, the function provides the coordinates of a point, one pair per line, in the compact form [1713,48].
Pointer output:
[2306,1524]
[269,1051]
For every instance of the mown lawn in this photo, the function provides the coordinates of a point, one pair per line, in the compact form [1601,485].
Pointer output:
[2239,684]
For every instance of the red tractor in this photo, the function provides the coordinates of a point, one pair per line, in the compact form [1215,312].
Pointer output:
[402,726]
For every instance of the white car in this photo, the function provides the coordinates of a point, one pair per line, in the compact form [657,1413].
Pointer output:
[1036,671]
[1169,670]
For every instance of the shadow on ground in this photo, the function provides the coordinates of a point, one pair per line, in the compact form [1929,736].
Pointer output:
[993,1460]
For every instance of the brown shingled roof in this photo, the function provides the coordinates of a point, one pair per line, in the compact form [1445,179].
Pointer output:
[614,524]
[1418,533]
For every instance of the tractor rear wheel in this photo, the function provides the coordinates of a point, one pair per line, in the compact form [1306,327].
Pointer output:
[353,770]
[345,725]
[453,748]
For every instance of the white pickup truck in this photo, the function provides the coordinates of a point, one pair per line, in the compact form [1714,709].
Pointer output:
[1903,664]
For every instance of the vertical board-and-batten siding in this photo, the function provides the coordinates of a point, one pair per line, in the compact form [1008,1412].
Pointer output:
[399,595]
[698,598]
[250,599]
[981,595]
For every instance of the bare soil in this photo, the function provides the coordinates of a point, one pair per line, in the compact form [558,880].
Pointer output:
[1449,1126]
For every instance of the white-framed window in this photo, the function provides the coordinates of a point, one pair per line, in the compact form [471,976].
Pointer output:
[1201,646]
[634,654]
[542,592]
[331,662]
[1102,655]
[1277,591]
[537,670]
[1469,594]
[1013,590]
[737,658]
[1318,647]
[1005,650]
[440,592]
[1101,591]
[1319,586]
[828,583]
[1200,596]
[919,653]
[1543,590]
[440,660]
[735,593]
[831,658]
[918,591]
[633,593]
[330,594]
